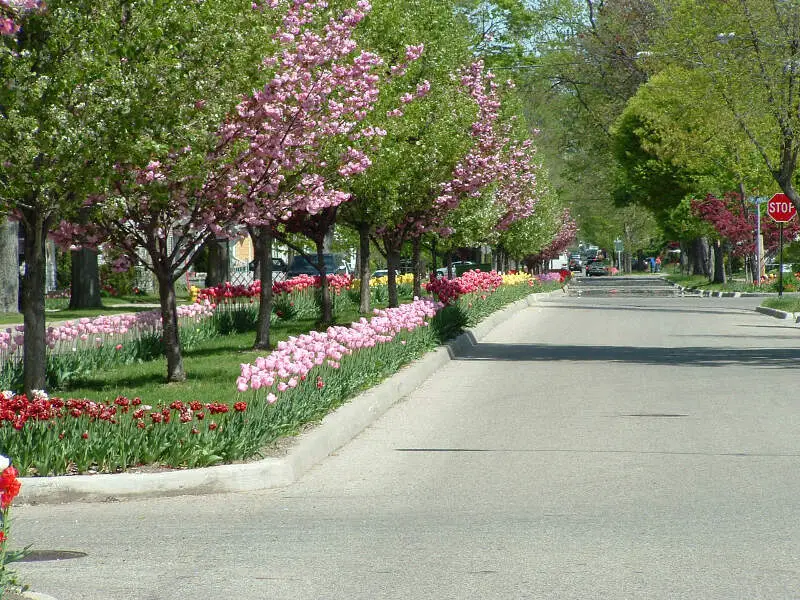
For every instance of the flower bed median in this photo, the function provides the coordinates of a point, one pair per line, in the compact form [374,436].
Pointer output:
[303,379]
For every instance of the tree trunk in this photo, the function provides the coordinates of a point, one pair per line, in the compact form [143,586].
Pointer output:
[748,270]
[218,261]
[35,227]
[327,241]
[684,258]
[9,267]
[325,291]
[85,280]
[719,263]
[433,255]
[262,247]
[393,265]
[169,326]
[416,264]
[363,266]
[698,257]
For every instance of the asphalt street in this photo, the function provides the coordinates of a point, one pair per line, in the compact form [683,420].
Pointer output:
[587,448]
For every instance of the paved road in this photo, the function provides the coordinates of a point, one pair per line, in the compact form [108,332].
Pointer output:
[588,448]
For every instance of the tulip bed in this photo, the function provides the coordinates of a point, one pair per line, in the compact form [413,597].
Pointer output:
[304,378]
[86,345]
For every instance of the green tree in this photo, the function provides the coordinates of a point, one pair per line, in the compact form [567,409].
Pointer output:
[94,85]
[748,51]
[576,85]
[51,140]
[420,147]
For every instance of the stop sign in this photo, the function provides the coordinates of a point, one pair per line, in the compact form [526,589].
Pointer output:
[780,208]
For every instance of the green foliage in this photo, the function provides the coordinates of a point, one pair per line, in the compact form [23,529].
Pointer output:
[746,51]
[646,178]
[420,148]
[529,236]
[583,70]
[501,29]
[116,283]
[239,319]
[684,225]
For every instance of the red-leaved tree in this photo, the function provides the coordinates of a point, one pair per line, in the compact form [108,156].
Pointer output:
[734,223]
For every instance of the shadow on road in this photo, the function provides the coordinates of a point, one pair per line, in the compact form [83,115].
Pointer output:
[772,358]
[640,308]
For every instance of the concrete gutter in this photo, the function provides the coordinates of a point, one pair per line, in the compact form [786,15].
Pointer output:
[306,450]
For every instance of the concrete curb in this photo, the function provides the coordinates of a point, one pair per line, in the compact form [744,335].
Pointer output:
[36,596]
[774,312]
[333,432]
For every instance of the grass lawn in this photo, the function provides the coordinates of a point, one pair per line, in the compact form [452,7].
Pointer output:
[787,303]
[734,284]
[211,366]
[67,315]
[56,309]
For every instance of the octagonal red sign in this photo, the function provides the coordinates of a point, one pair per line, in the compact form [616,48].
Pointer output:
[780,208]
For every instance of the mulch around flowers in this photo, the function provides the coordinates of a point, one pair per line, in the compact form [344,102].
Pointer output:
[13,595]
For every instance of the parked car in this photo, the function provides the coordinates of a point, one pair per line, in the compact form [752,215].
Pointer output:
[575,262]
[334,265]
[278,265]
[459,267]
[381,273]
[774,267]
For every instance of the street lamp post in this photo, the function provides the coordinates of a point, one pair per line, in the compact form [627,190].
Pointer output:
[758,200]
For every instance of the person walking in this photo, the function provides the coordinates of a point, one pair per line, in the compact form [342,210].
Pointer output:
[658,264]
[652,262]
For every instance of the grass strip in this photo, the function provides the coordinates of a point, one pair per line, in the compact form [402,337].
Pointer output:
[84,443]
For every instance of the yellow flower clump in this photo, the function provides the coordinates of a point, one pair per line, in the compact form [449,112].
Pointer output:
[516,278]
[376,281]
[193,291]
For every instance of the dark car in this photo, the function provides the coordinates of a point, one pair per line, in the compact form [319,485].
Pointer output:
[459,268]
[575,263]
[596,267]
[334,264]
[278,265]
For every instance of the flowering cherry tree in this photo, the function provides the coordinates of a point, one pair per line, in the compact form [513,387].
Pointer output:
[564,236]
[299,132]
[157,207]
[517,191]
[11,11]
[459,170]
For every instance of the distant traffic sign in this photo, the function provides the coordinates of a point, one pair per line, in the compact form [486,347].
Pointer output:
[780,208]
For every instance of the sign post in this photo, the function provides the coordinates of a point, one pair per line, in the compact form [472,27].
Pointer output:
[618,248]
[781,209]
[759,266]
